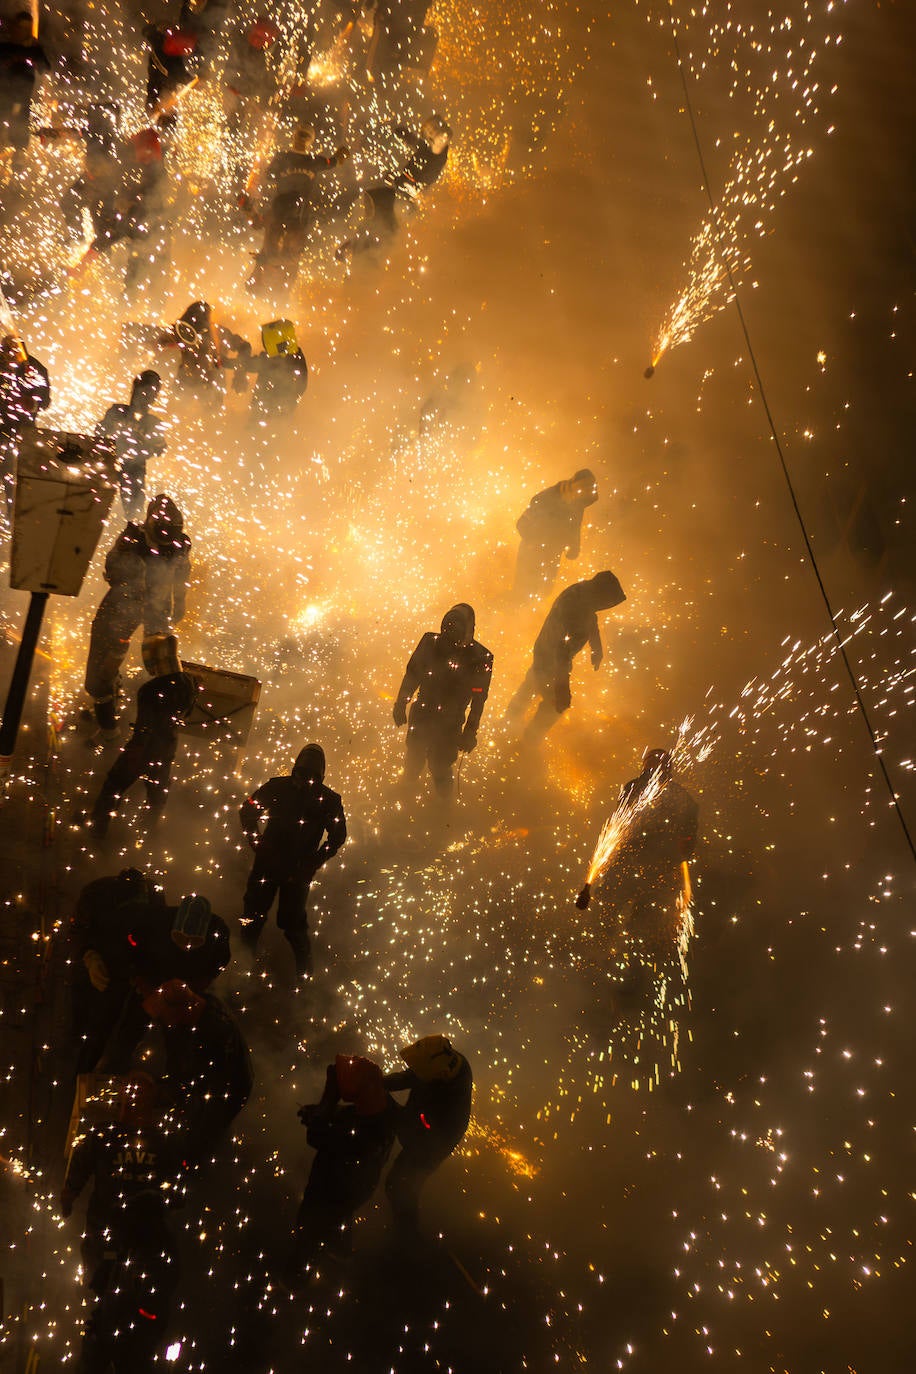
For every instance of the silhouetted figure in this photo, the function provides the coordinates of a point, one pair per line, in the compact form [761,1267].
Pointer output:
[163,705]
[351,1130]
[571,623]
[430,1124]
[305,826]
[449,673]
[147,570]
[136,436]
[550,527]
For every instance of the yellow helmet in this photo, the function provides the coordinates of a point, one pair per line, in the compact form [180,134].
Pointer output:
[279,338]
[432,1059]
[160,655]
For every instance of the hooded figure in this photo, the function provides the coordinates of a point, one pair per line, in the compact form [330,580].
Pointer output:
[305,826]
[163,705]
[432,1121]
[290,213]
[572,622]
[449,674]
[148,570]
[550,526]
[136,436]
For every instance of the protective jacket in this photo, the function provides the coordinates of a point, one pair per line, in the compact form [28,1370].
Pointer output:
[449,680]
[571,623]
[298,813]
[436,1114]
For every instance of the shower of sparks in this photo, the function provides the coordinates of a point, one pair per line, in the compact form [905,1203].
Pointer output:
[767,71]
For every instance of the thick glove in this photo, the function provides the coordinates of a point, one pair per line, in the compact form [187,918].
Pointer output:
[66,1202]
[468,739]
[97,970]
[399,714]
[562,696]
[597,656]
[307,1113]
[584,897]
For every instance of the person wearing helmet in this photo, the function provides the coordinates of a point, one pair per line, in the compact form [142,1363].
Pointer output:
[24,391]
[305,826]
[102,957]
[293,176]
[430,1124]
[282,373]
[249,82]
[449,676]
[163,705]
[571,623]
[147,570]
[205,350]
[351,1128]
[551,525]
[171,68]
[206,1075]
[136,436]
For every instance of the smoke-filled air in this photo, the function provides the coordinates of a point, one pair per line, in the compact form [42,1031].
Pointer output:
[457,797]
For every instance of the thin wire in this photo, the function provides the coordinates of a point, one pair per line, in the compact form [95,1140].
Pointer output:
[863,709]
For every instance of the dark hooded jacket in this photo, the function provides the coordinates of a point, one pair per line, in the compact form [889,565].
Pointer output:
[572,622]
[446,678]
[299,810]
[553,523]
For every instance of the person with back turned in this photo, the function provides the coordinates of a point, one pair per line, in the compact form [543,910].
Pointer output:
[304,827]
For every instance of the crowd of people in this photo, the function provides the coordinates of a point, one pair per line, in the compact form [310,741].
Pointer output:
[163,1064]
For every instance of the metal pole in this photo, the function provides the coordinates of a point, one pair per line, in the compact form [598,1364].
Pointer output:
[19,682]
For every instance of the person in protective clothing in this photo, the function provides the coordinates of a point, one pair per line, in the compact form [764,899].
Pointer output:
[163,705]
[24,391]
[22,58]
[205,351]
[103,966]
[281,370]
[136,436]
[299,810]
[424,167]
[131,1166]
[552,525]
[351,1130]
[571,623]
[206,1076]
[171,67]
[449,673]
[648,868]
[145,945]
[148,570]
[432,1121]
[289,215]
[249,81]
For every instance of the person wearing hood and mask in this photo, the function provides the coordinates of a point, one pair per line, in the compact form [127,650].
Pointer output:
[148,570]
[552,525]
[572,622]
[136,436]
[449,674]
[305,826]
[163,705]
[431,1123]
